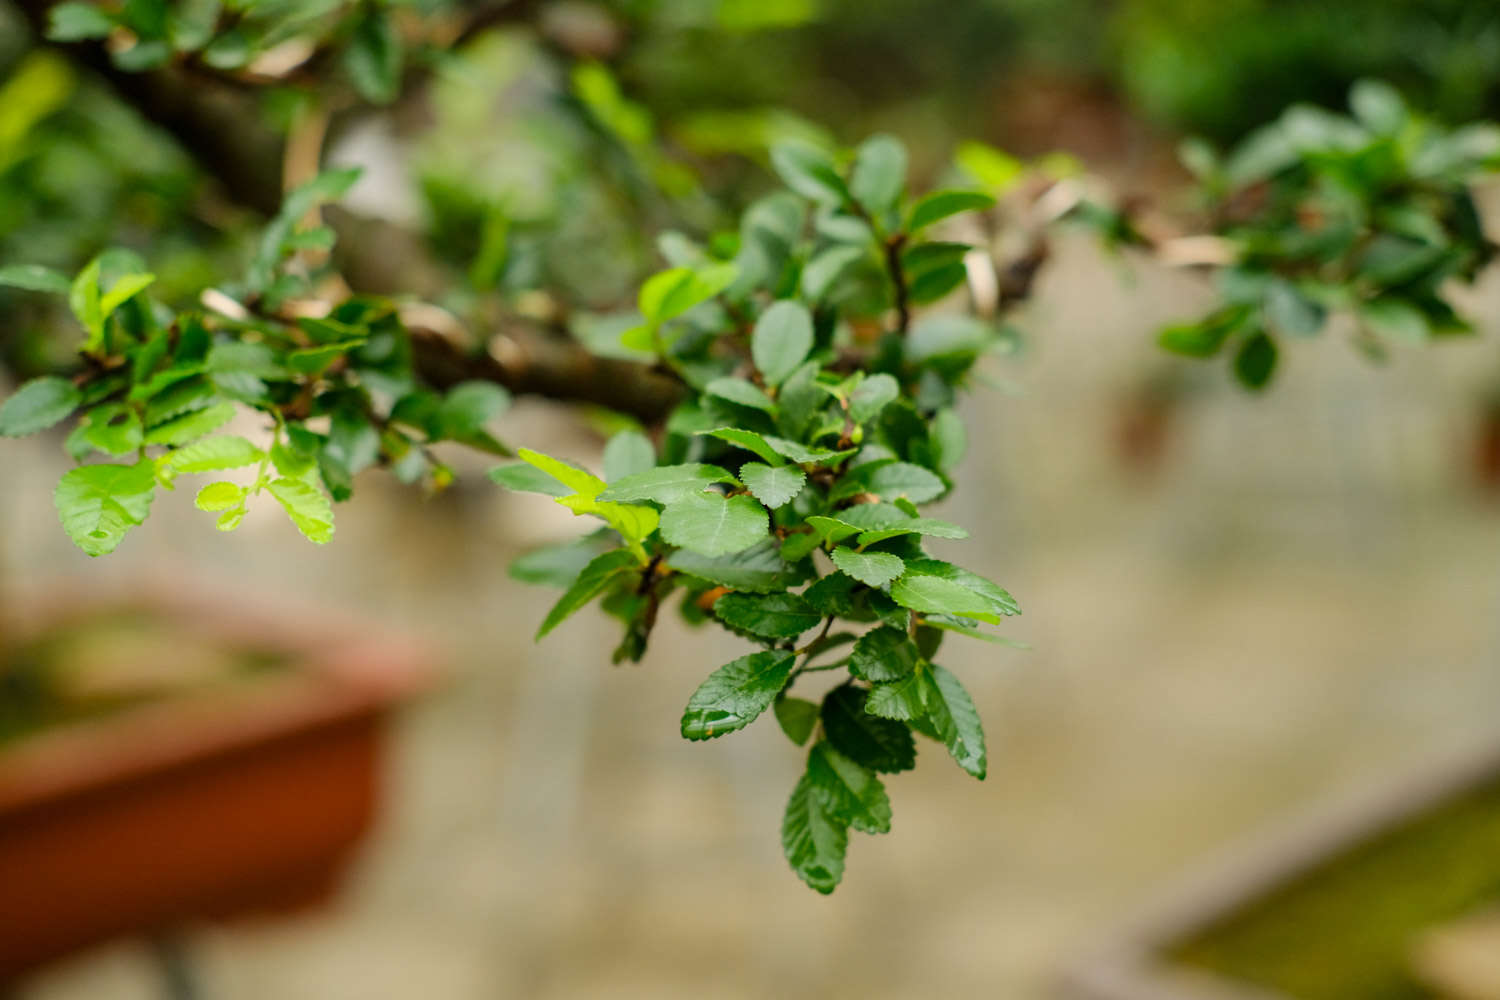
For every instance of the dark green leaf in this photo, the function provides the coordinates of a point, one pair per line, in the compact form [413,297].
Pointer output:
[759,569]
[883,654]
[775,616]
[850,790]
[951,713]
[374,57]
[813,838]
[796,716]
[877,743]
[736,694]
[1255,361]
[901,699]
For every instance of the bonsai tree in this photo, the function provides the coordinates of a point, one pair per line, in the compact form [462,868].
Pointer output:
[788,382]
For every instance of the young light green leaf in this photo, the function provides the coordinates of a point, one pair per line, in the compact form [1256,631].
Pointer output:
[666,483]
[869,740]
[524,478]
[113,428]
[98,504]
[595,578]
[876,569]
[797,717]
[941,204]
[951,714]
[736,694]
[228,451]
[83,300]
[123,290]
[775,616]
[218,496]
[813,838]
[35,278]
[576,479]
[713,525]
[884,654]
[783,335]
[850,790]
[191,426]
[879,174]
[773,486]
[935,594]
[37,405]
[671,293]
[307,506]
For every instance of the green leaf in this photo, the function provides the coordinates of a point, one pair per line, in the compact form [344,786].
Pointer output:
[559,565]
[884,654]
[307,506]
[759,569]
[929,527]
[736,694]
[774,616]
[34,278]
[671,293]
[374,57]
[741,392]
[869,740]
[889,480]
[228,451]
[594,579]
[820,274]
[803,454]
[525,478]
[900,700]
[871,396]
[218,496]
[98,504]
[876,569]
[1395,318]
[952,715]
[879,174]
[999,599]
[831,529]
[113,428]
[713,525]
[1290,311]
[783,335]
[1255,361]
[773,486]
[37,405]
[77,22]
[468,407]
[809,171]
[627,453]
[935,594]
[123,290]
[813,838]
[666,484]
[576,479]
[191,426]
[83,300]
[941,204]
[748,440]
[797,717]
[850,790]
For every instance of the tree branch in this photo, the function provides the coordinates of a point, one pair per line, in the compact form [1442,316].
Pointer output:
[218,124]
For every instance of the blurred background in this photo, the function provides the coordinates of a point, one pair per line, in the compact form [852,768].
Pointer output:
[1236,606]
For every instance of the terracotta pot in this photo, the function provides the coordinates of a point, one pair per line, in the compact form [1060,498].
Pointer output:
[201,806]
